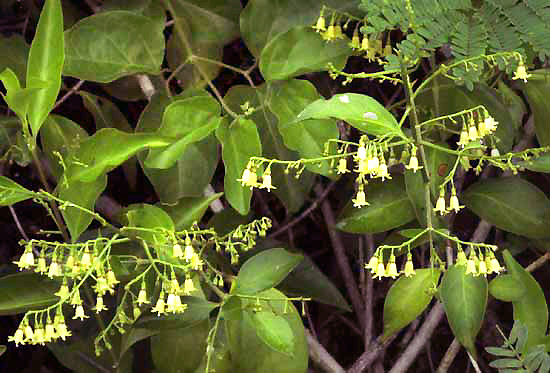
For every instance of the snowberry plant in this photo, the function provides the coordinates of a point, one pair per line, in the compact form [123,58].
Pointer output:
[415,109]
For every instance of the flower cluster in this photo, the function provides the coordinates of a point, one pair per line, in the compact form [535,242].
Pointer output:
[479,265]
[250,178]
[379,269]
[473,130]
[454,204]
[41,334]
[372,47]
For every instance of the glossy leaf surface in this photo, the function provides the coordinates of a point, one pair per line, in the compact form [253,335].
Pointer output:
[24,291]
[265,270]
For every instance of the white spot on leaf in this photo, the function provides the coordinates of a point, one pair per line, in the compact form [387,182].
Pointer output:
[370,115]
[344,99]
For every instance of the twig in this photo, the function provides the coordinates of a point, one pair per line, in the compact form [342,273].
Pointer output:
[71,91]
[424,333]
[17,223]
[305,213]
[449,356]
[368,296]
[539,262]
[321,357]
[368,357]
[341,258]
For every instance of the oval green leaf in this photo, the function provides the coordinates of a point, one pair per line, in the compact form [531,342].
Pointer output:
[361,111]
[101,153]
[506,288]
[531,309]
[389,208]
[24,291]
[109,45]
[11,192]
[45,63]
[408,298]
[189,210]
[301,50]
[538,164]
[240,141]
[464,298]
[273,330]
[512,204]
[265,270]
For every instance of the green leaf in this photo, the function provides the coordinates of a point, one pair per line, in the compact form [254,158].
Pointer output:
[249,354]
[498,351]
[361,111]
[14,51]
[227,220]
[11,192]
[512,204]
[185,122]
[408,298]
[306,280]
[265,270]
[538,164]
[439,165]
[259,27]
[273,330]
[308,137]
[464,298]
[45,63]
[389,208]
[24,291]
[530,309]
[240,141]
[189,210]
[197,310]
[537,92]
[195,168]
[291,191]
[109,45]
[205,27]
[301,50]
[506,288]
[506,363]
[180,350]
[84,195]
[102,152]
[150,217]
[17,98]
[62,135]
[133,336]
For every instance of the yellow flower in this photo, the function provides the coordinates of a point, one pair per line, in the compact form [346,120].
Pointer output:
[521,72]
[380,270]
[29,334]
[440,204]
[495,152]
[362,166]
[361,152]
[472,133]
[196,262]
[111,279]
[320,25]
[482,129]
[142,295]
[79,313]
[355,43]
[383,171]
[177,252]
[49,334]
[372,264]
[372,164]
[360,199]
[338,32]
[463,141]
[54,269]
[413,164]
[453,203]
[461,258]
[75,300]
[62,331]
[409,267]
[86,260]
[245,177]
[482,267]
[471,264]
[342,166]
[99,305]
[494,265]
[490,124]
[330,34]
[159,307]
[188,251]
[365,44]
[18,337]
[266,180]
[38,337]
[42,268]
[391,268]
[188,286]
[63,291]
